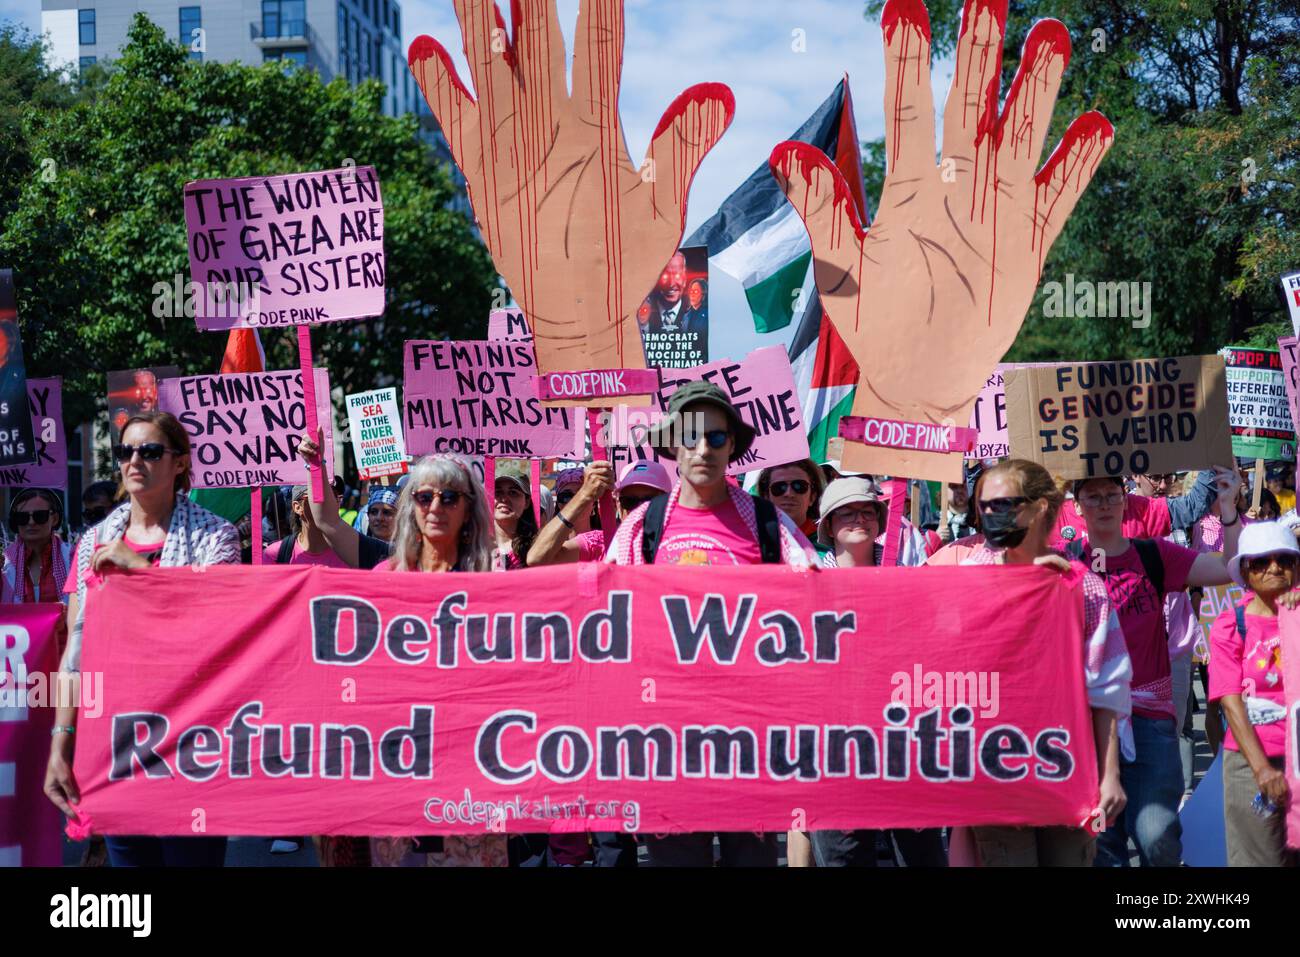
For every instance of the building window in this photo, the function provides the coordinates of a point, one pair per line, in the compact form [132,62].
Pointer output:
[86,27]
[387,15]
[284,18]
[294,55]
[88,61]
[343,42]
[368,53]
[192,29]
[397,22]
[358,51]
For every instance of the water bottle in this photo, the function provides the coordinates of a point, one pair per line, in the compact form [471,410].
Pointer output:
[1262,806]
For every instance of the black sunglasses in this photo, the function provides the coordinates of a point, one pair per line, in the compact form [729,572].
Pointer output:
[1001,506]
[377,510]
[40,516]
[565,497]
[631,502]
[716,438]
[149,451]
[93,515]
[448,496]
[1285,561]
[799,486]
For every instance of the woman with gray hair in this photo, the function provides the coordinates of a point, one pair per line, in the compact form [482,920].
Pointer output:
[443,524]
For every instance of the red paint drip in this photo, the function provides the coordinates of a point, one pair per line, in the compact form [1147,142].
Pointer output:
[1090,133]
[1046,40]
[911,13]
[809,159]
[425,48]
[509,52]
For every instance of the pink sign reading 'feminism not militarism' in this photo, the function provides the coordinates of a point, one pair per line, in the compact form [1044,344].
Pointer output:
[286,250]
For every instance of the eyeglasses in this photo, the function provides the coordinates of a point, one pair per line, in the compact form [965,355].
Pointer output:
[798,486]
[716,438]
[1094,500]
[385,511]
[448,496]
[149,451]
[38,516]
[94,515]
[1261,563]
[631,503]
[565,497]
[848,513]
[1002,506]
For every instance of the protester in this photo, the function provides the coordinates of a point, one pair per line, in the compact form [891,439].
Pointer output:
[852,514]
[158,525]
[36,562]
[1138,574]
[1268,510]
[1247,680]
[1017,503]
[704,520]
[958,521]
[1275,481]
[567,486]
[97,501]
[1146,517]
[562,540]
[795,489]
[514,523]
[381,510]
[443,524]
[307,544]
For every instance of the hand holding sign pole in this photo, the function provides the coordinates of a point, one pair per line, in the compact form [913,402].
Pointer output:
[578,232]
[945,274]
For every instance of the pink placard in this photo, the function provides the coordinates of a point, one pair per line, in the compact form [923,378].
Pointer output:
[480,398]
[50,470]
[989,417]
[509,324]
[245,427]
[30,826]
[507,695]
[287,250]
[1289,629]
[1286,347]
[762,389]
[597,384]
[891,433]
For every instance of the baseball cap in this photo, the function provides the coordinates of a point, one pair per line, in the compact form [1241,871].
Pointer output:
[648,473]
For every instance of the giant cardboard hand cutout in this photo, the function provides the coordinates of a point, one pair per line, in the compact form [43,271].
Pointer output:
[579,233]
[930,298]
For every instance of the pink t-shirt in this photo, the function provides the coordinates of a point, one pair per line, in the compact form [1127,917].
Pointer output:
[1143,518]
[591,545]
[708,536]
[70,585]
[327,558]
[1252,668]
[1142,616]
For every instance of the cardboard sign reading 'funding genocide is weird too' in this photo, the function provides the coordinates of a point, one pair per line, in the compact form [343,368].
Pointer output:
[1257,405]
[286,250]
[1081,420]
[376,427]
[480,398]
[245,428]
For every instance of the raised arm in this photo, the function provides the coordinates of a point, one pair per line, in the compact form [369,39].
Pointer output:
[1211,568]
[553,545]
[342,538]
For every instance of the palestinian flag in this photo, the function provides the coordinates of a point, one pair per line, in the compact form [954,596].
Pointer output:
[757,237]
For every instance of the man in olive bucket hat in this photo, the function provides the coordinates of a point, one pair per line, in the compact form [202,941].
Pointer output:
[705,521]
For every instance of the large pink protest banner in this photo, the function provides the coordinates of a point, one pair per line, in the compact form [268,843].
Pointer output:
[1289,629]
[762,389]
[588,697]
[480,398]
[286,250]
[245,427]
[29,833]
[50,470]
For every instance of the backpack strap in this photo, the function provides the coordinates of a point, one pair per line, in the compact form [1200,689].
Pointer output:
[285,553]
[1074,550]
[769,531]
[371,551]
[1152,563]
[652,528]
[1241,622]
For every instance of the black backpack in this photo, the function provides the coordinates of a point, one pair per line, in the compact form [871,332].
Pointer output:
[769,530]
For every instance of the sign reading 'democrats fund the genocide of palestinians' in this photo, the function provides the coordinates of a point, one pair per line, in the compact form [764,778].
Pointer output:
[1257,405]
[376,427]
[245,428]
[286,250]
[1080,420]
[518,702]
[480,398]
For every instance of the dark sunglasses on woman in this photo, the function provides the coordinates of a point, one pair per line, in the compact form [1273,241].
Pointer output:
[448,496]
[149,451]
[95,515]
[632,502]
[1002,506]
[565,497]
[39,516]
[1285,561]
[798,486]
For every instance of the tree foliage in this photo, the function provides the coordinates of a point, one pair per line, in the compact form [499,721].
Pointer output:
[1199,195]
[98,218]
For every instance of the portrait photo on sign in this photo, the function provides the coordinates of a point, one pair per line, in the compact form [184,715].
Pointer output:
[674,318]
[131,391]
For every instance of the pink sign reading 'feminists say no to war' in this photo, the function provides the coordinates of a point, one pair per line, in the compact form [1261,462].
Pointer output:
[244,429]
[286,250]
